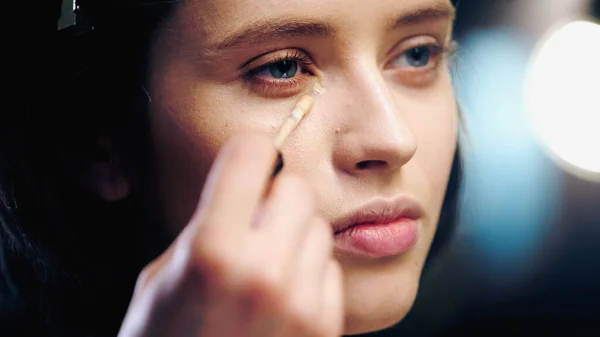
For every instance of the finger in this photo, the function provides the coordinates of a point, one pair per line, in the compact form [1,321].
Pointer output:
[284,223]
[311,269]
[331,318]
[313,263]
[237,182]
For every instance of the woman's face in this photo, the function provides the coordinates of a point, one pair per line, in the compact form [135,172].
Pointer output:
[385,129]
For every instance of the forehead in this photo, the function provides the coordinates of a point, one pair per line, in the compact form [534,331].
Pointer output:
[214,20]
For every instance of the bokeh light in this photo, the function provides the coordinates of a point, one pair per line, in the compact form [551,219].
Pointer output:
[562,96]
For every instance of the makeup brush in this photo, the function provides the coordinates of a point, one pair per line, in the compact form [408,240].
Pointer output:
[300,110]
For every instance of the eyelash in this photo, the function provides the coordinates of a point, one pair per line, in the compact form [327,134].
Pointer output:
[281,87]
[420,76]
[290,86]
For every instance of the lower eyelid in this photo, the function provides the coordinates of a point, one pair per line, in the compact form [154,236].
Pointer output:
[274,88]
[418,76]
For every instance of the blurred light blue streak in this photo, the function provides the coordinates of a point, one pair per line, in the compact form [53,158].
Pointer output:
[511,188]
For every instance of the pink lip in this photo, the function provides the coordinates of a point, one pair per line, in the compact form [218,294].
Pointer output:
[378,229]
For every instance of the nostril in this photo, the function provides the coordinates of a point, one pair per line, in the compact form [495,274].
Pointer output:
[371,164]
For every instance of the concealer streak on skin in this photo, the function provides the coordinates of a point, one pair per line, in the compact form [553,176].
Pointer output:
[318,89]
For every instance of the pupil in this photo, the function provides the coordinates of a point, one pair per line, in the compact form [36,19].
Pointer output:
[418,57]
[284,69]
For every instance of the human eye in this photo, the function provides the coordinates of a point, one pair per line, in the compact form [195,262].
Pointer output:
[418,61]
[417,57]
[279,74]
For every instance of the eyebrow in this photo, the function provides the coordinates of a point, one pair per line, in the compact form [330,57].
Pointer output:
[268,30]
[435,11]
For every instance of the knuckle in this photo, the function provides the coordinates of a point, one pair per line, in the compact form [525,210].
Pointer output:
[266,288]
[145,276]
[149,273]
[208,262]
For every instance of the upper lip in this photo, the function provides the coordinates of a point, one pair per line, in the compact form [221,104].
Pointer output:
[379,212]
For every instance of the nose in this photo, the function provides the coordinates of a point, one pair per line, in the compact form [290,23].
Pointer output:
[374,135]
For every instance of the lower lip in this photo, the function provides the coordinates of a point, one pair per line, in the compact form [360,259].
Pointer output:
[378,240]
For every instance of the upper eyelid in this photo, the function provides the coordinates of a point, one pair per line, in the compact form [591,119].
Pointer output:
[403,46]
[280,57]
[415,41]
[301,59]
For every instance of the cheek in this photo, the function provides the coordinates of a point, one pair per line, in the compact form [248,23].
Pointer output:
[203,115]
[434,124]
[179,120]
[191,118]
[437,144]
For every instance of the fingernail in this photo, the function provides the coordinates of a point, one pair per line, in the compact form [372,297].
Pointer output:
[278,165]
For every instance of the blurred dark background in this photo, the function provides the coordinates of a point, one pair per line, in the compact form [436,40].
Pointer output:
[526,258]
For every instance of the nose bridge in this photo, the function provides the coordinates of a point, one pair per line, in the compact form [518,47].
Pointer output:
[371,103]
[370,91]
[374,129]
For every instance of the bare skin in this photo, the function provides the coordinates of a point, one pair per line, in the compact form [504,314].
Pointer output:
[384,129]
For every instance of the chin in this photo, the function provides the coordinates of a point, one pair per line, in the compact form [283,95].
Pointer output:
[377,302]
